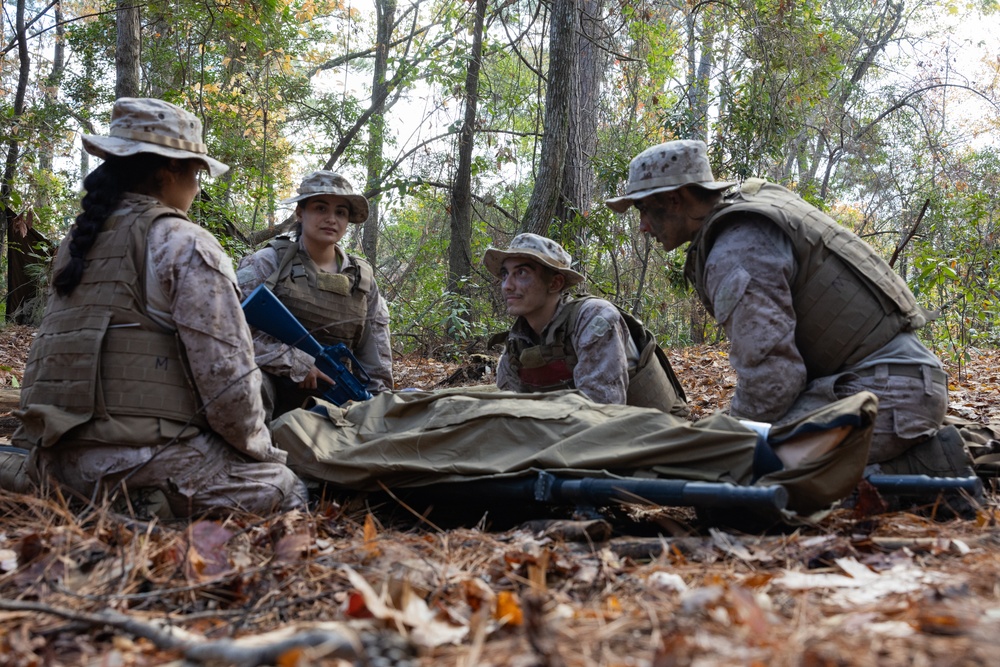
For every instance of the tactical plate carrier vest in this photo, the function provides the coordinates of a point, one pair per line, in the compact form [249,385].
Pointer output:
[848,301]
[98,353]
[333,307]
[549,366]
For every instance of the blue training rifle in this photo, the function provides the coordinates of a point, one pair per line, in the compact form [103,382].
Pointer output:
[264,311]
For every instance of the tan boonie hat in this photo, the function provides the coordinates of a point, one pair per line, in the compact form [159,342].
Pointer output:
[147,125]
[667,167]
[322,182]
[538,248]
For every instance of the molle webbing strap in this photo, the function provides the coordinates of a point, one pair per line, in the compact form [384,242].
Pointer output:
[143,373]
[115,275]
[549,365]
[285,258]
[366,275]
[84,364]
[831,299]
[327,305]
[64,360]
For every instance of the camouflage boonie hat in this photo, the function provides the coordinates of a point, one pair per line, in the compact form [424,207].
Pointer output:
[667,167]
[538,248]
[322,182]
[147,125]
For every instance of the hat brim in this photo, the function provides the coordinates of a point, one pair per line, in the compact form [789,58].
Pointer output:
[624,203]
[494,258]
[358,203]
[102,147]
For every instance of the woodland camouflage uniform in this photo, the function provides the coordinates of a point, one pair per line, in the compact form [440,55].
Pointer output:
[812,312]
[588,344]
[171,402]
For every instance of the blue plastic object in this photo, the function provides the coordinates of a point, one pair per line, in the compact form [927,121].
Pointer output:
[264,311]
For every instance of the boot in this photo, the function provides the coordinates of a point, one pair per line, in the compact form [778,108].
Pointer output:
[13,475]
[144,504]
[942,455]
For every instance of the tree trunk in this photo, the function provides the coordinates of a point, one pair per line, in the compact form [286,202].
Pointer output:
[460,248]
[127,49]
[701,53]
[13,150]
[562,77]
[386,15]
[52,83]
[578,174]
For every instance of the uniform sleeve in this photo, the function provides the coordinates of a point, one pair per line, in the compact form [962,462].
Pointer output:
[198,281]
[748,276]
[600,340]
[375,350]
[270,353]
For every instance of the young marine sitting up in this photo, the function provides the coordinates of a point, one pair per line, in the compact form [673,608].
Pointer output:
[559,341]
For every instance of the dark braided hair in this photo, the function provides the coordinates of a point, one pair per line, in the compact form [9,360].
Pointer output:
[105,187]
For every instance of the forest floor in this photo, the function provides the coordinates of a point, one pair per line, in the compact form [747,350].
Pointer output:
[370,581]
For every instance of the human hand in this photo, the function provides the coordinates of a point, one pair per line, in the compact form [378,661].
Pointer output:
[312,380]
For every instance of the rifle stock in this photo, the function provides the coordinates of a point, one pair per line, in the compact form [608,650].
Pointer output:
[264,311]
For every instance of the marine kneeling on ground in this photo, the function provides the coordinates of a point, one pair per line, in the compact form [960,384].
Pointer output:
[560,341]
[142,375]
[812,312]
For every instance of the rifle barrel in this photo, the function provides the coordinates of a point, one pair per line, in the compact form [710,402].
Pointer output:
[665,492]
[920,485]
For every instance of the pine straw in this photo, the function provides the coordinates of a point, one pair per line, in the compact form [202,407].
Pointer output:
[517,597]
[83,585]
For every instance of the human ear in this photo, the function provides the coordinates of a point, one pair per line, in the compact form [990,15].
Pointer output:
[557,283]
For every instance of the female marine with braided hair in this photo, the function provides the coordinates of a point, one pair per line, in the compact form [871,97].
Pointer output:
[142,375]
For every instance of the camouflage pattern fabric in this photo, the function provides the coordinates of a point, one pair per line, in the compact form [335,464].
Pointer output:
[148,125]
[603,347]
[277,358]
[322,182]
[234,466]
[748,275]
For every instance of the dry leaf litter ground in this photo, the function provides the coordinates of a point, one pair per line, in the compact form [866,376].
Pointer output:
[342,584]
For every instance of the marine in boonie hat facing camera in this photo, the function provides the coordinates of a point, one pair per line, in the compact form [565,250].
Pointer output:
[147,301]
[333,294]
[559,341]
[330,183]
[812,312]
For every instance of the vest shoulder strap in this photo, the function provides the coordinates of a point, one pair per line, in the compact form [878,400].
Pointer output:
[497,339]
[286,250]
[366,275]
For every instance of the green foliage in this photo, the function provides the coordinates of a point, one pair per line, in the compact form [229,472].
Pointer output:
[798,92]
[955,263]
